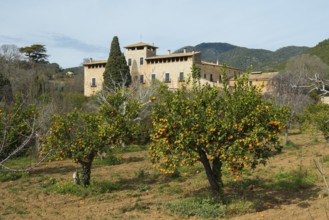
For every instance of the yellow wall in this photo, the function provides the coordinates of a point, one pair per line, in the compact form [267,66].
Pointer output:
[174,64]
[261,80]
[93,70]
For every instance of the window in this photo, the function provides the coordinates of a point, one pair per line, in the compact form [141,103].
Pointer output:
[129,62]
[93,82]
[181,77]
[141,78]
[152,76]
[141,61]
[205,76]
[211,79]
[167,77]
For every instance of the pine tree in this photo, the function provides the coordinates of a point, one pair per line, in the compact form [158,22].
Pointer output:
[35,53]
[116,70]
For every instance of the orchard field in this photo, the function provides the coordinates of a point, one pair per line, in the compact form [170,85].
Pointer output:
[125,185]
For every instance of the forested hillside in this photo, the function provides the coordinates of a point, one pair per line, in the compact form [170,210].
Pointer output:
[321,50]
[242,57]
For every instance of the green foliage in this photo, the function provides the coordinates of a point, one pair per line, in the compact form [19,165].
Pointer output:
[196,72]
[16,127]
[316,116]
[236,128]
[78,136]
[120,112]
[321,50]
[35,52]
[198,207]
[242,58]
[11,176]
[5,88]
[116,69]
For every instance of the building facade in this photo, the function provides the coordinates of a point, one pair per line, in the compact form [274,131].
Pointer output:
[263,80]
[145,65]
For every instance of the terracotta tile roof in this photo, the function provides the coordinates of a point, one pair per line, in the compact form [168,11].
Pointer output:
[95,62]
[140,44]
[173,55]
[263,76]
[221,65]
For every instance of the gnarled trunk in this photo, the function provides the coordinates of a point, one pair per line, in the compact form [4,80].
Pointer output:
[214,175]
[86,169]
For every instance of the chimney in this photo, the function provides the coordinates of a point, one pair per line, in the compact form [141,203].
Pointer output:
[90,60]
[169,51]
[184,50]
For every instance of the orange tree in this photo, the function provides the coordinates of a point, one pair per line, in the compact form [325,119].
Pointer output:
[235,128]
[17,128]
[121,110]
[317,116]
[80,136]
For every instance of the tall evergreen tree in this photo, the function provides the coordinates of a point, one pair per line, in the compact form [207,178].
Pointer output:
[116,70]
[35,53]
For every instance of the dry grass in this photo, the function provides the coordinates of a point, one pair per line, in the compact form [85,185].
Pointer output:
[287,188]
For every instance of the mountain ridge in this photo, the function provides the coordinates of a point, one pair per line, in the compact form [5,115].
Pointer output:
[243,57]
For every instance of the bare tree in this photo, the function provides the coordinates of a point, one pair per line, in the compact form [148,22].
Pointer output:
[293,86]
[10,52]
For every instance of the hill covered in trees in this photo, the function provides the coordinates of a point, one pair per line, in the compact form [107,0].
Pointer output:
[242,57]
[321,50]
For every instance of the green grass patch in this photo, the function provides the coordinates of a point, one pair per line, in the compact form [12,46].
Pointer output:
[198,207]
[95,188]
[12,176]
[20,162]
[294,179]
[130,148]
[109,160]
[290,145]
[326,158]
[240,206]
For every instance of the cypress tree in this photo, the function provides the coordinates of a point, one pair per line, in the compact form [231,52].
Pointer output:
[116,70]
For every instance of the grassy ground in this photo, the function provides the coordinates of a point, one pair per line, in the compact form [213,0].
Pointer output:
[126,186]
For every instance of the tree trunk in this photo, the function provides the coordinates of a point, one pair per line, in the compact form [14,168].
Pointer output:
[217,170]
[86,170]
[213,178]
[286,132]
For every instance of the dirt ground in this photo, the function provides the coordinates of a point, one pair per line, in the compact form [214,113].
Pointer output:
[142,196]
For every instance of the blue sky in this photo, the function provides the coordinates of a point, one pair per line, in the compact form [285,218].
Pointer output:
[73,30]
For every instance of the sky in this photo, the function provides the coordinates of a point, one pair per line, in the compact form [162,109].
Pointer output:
[73,30]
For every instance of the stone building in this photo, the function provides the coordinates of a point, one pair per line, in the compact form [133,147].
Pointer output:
[263,80]
[145,65]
